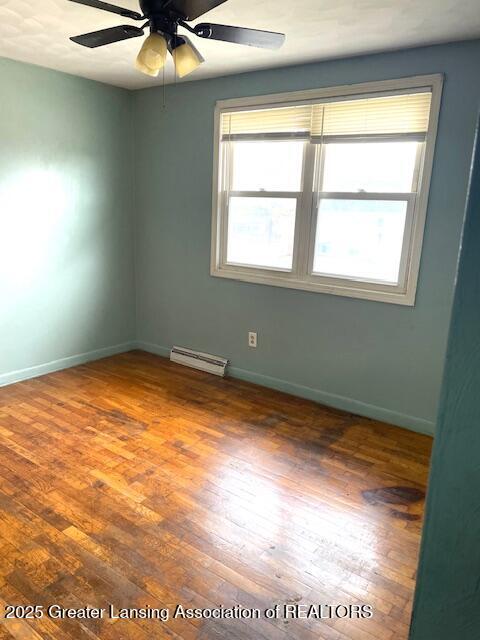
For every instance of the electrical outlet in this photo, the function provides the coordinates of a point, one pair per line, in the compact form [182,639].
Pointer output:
[252,339]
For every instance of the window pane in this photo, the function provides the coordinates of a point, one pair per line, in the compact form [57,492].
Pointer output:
[261,231]
[371,166]
[267,166]
[360,239]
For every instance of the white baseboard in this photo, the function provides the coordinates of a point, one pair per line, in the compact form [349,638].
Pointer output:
[420,425]
[63,363]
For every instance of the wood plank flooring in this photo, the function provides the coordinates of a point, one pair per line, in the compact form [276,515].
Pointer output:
[139,483]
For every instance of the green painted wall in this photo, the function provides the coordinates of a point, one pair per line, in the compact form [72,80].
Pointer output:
[447,603]
[378,359]
[67,272]
[66,251]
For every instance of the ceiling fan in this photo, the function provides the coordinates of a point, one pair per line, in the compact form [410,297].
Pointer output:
[163,17]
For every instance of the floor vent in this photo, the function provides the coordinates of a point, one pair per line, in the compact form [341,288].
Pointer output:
[198,360]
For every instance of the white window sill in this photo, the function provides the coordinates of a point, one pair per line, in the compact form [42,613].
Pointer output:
[346,288]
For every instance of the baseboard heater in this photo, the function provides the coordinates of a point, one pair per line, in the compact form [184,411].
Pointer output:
[198,360]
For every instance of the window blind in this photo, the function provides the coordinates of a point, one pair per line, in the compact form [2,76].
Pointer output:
[403,114]
[295,121]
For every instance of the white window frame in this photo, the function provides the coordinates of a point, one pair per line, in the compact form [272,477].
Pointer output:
[301,276]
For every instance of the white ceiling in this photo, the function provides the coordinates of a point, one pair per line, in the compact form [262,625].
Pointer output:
[37,31]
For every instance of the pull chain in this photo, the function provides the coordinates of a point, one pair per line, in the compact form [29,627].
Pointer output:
[164,90]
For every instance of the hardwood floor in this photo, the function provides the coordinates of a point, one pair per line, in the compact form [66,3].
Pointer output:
[140,483]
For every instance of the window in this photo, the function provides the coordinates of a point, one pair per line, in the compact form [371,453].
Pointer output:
[326,190]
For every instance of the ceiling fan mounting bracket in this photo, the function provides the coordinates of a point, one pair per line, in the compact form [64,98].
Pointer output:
[158,9]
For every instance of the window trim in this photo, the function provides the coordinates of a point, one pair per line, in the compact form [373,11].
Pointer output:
[304,231]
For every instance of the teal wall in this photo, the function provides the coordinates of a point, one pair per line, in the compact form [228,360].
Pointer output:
[382,360]
[447,602]
[76,187]
[66,251]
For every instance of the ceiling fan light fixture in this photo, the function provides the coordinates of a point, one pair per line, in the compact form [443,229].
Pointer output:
[146,70]
[186,57]
[153,55]
[164,18]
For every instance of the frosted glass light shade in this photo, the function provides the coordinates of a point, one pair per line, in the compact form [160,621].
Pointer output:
[153,55]
[187,59]
[146,70]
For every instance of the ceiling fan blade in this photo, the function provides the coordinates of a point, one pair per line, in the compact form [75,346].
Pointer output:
[193,9]
[106,6]
[108,36]
[239,35]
